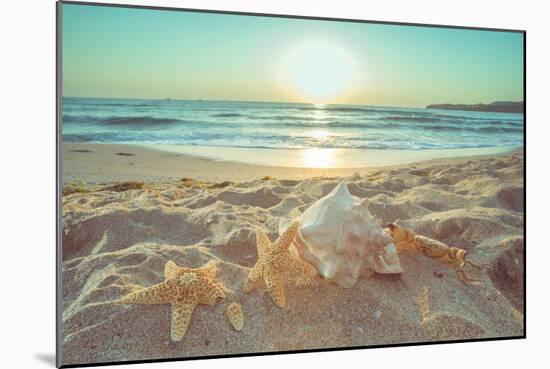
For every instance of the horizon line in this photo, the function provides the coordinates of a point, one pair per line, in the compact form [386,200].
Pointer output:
[289,102]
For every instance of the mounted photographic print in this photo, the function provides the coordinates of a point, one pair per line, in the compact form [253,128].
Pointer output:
[244,184]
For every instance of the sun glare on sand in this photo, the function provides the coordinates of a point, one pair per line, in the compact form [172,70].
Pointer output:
[318,158]
[319,71]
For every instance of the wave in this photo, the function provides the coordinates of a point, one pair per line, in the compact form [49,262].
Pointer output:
[490,120]
[275,142]
[471,129]
[138,121]
[500,129]
[73,137]
[412,119]
[297,122]
[120,120]
[282,125]
[296,118]
[75,119]
[335,124]
[227,115]
[357,110]
[452,119]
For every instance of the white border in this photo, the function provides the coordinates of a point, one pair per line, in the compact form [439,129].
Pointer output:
[27,69]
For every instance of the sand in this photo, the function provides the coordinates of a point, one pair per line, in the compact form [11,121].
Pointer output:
[106,163]
[114,241]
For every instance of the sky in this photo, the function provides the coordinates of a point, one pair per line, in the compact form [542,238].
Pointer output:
[141,53]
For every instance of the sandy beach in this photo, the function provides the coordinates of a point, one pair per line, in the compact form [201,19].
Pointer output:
[106,163]
[192,210]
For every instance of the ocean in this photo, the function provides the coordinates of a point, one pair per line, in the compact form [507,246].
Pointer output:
[283,125]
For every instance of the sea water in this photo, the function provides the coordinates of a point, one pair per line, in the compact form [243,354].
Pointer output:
[283,125]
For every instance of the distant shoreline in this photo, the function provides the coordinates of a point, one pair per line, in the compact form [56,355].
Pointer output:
[494,107]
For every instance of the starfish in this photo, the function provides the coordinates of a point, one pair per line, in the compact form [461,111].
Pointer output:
[183,288]
[273,260]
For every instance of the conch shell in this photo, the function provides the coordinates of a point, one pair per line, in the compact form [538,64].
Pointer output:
[339,236]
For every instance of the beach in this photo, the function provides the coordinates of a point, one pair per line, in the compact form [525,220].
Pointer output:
[104,163]
[128,209]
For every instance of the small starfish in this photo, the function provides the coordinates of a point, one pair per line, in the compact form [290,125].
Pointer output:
[184,288]
[273,260]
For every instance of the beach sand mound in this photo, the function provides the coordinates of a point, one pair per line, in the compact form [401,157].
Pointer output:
[119,239]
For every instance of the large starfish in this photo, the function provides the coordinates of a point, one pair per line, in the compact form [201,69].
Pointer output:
[273,260]
[184,288]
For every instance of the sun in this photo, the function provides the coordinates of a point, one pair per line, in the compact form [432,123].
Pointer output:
[319,71]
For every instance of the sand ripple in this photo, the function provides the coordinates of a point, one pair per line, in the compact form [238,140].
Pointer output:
[116,241]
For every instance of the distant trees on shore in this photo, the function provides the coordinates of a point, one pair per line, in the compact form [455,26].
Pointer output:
[497,106]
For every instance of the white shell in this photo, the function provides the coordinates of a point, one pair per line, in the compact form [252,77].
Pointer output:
[340,237]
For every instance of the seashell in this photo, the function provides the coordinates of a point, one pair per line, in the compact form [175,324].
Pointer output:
[339,236]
